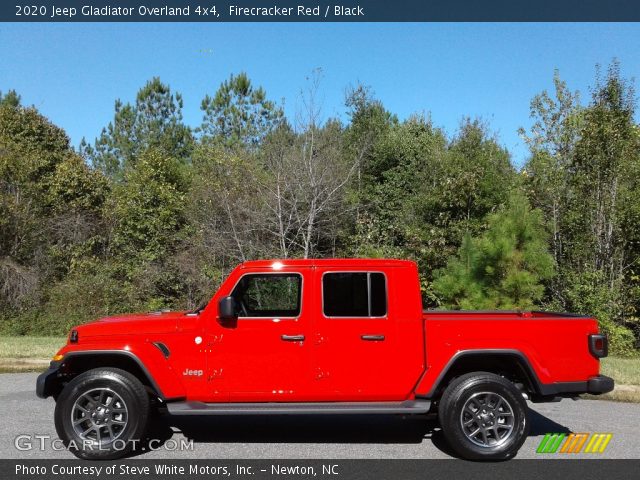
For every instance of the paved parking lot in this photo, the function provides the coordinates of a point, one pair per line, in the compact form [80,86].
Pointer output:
[344,436]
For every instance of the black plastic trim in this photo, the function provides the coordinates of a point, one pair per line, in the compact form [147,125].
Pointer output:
[562,388]
[600,384]
[464,353]
[301,408]
[47,381]
[548,390]
[561,314]
[163,348]
[498,313]
[592,345]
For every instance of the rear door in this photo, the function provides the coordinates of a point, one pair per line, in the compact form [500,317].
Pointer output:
[356,349]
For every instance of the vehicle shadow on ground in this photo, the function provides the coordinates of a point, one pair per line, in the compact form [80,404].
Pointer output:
[384,429]
[541,425]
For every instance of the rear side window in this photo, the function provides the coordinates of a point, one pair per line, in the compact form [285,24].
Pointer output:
[268,295]
[354,294]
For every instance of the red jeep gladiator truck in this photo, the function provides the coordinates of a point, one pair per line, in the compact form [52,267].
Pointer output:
[333,336]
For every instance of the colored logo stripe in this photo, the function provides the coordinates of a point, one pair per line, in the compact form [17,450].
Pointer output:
[574,442]
[550,443]
[598,443]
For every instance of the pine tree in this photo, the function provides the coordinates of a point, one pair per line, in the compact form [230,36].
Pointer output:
[504,267]
[239,114]
[155,121]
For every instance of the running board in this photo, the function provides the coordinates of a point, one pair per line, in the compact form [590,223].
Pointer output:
[316,408]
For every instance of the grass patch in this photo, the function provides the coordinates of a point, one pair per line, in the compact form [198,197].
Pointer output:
[625,371]
[27,354]
[8,365]
[42,348]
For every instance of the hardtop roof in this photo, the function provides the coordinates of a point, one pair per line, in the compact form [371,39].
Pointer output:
[328,262]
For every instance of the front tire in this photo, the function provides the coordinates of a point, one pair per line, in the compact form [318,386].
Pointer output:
[483,417]
[102,414]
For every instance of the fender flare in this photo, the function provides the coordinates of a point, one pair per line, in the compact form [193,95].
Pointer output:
[539,387]
[48,381]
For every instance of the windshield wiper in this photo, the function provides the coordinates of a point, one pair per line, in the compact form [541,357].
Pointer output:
[199,308]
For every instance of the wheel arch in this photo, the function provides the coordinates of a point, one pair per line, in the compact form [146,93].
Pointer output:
[512,364]
[75,363]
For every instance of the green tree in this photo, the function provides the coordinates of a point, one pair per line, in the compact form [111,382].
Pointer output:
[238,114]
[470,180]
[11,98]
[583,174]
[504,267]
[50,203]
[147,210]
[420,192]
[369,122]
[604,223]
[146,222]
[31,153]
[390,180]
[603,168]
[155,121]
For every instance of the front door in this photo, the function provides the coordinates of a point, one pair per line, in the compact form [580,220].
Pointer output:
[266,352]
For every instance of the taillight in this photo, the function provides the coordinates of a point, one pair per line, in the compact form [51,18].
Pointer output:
[598,345]
[73,336]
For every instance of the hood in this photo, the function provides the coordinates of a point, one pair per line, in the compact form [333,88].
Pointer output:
[132,324]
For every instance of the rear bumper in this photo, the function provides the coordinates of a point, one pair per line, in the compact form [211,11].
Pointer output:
[594,385]
[600,384]
[48,381]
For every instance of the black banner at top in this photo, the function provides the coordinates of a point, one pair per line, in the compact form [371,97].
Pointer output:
[320,11]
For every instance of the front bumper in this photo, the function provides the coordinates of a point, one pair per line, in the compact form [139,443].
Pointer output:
[48,381]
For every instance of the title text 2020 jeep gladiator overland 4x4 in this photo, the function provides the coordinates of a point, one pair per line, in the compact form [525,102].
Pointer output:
[321,337]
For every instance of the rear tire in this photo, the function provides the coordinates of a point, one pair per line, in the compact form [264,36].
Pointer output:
[483,417]
[102,414]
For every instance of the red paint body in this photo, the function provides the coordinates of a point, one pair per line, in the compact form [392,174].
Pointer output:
[247,361]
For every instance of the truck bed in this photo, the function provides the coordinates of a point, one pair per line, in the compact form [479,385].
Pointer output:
[554,345]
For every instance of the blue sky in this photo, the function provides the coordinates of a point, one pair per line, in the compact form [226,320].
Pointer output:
[74,72]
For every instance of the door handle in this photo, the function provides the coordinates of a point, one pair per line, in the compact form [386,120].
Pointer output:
[373,338]
[293,338]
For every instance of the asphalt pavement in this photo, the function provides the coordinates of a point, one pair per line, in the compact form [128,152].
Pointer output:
[27,421]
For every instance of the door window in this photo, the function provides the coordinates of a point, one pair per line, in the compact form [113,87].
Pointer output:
[354,294]
[268,295]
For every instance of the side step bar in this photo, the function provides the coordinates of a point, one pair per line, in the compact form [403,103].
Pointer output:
[315,408]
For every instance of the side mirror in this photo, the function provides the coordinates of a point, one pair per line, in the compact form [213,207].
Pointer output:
[227,309]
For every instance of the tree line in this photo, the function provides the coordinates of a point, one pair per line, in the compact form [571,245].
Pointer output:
[153,214]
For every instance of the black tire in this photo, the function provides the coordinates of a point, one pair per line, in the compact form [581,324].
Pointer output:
[81,400]
[498,437]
